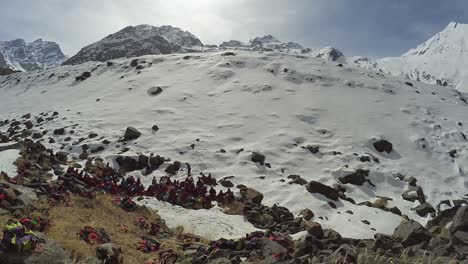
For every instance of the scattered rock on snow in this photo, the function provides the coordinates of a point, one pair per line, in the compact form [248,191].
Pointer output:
[131,133]
[327,191]
[383,146]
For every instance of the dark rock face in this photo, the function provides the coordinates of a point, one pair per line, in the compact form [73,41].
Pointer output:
[357,178]
[131,133]
[327,191]
[37,55]
[383,146]
[411,233]
[137,41]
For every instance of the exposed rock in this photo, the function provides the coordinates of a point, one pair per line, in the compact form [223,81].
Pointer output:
[155,128]
[327,191]
[131,133]
[110,253]
[226,183]
[312,228]
[173,168]
[307,214]
[411,233]
[382,241]
[357,178]
[383,146]
[59,131]
[424,209]
[460,220]
[314,149]
[258,158]
[251,195]
[28,124]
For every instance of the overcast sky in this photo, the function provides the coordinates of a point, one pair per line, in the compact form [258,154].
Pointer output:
[375,28]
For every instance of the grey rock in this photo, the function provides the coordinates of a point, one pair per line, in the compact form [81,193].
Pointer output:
[460,220]
[110,253]
[411,233]
[131,133]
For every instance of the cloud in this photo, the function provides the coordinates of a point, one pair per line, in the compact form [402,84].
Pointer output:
[358,27]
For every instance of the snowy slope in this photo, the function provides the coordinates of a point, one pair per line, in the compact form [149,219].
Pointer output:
[268,102]
[440,60]
[37,55]
[137,41]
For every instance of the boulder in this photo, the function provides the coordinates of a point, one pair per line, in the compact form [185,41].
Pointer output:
[307,214]
[411,233]
[325,190]
[28,124]
[383,146]
[131,133]
[52,253]
[59,131]
[460,220]
[258,158]
[460,238]
[314,149]
[424,209]
[110,253]
[312,228]
[226,183]
[272,248]
[251,195]
[359,177]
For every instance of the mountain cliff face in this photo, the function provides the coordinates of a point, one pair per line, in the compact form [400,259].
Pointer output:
[442,60]
[137,41]
[37,55]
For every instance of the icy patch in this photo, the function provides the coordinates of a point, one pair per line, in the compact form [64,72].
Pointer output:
[212,224]
[7,158]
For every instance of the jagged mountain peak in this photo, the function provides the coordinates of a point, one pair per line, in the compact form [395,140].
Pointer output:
[19,55]
[264,40]
[137,41]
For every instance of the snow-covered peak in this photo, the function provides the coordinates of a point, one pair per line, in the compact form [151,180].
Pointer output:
[442,59]
[267,39]
[137,41]
[37,55]
[330,53]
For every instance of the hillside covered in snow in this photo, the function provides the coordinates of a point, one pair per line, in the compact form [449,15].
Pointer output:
[441,60]
[137,41]
[362,150]
[37,55]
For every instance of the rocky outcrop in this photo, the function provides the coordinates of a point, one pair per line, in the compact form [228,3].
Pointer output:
[134,41]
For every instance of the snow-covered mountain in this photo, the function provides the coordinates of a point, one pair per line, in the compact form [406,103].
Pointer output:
[270,43]
[442,60]
[37,55]
[381,148]
[267,42]
[137,41]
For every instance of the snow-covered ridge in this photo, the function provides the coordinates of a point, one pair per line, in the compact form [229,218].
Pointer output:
[440,60]
[271,43]
[309,117]
[137,41]
[37,55]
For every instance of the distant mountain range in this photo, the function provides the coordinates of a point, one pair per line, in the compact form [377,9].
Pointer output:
[441,60]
